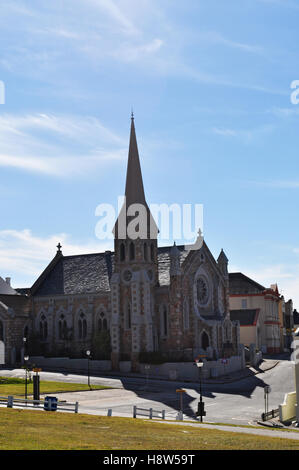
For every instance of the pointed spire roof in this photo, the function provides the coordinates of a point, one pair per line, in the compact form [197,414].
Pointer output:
[134,184]
[222,256]
[134,191]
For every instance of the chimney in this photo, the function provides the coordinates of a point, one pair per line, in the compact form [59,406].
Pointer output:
[7,280]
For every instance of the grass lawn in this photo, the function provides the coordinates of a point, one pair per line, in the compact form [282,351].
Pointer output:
[41,430]
[16,387]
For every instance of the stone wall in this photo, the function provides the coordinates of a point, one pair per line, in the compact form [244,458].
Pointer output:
[169,370]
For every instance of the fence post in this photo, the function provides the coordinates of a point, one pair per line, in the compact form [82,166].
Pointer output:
[10,401]
[163,414]
[150,413]
[76,407]
[109,412]
[134,411]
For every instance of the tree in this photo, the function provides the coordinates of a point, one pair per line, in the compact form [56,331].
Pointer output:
[101,348]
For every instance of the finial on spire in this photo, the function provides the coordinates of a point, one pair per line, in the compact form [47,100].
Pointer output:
[59,246]
[132,114]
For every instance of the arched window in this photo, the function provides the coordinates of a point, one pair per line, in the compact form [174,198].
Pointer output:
[145,251]
[62,327]
[186,314]
[205,342]
[152,252]
[82,326]
[26,331]
[132,251]
[128,316]
[1,331]
[43,327]
[102,322]
[122,252]
[164,320]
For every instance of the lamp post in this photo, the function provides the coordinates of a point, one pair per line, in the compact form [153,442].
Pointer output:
[88,358]
[24,346]
[200,411]
[26,358]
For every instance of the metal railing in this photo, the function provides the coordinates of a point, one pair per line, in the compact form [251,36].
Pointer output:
[270,414]
[150,413]
[12,402]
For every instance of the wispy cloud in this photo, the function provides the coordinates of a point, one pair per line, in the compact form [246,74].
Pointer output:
[56,145]
[116,13]
[23,255]
[284,112]
[246,135]
[213,37]
[103,31]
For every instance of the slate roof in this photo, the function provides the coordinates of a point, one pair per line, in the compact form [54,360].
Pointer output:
[246,317]
[164,263]
[19,303]
[23,290]
[241,284]
[91,273]
[79,274]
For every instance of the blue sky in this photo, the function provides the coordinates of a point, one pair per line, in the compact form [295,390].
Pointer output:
[209,82]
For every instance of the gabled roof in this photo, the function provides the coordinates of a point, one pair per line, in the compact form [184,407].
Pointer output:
[91,273]
[241,284]
[246,317]
[79,274]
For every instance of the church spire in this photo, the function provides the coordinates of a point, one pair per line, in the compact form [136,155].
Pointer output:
[134,184]
[134,195]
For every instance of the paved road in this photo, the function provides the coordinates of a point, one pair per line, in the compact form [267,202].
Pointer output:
[240,402]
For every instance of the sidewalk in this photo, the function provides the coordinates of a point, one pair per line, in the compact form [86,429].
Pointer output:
[265,365]
[236,429]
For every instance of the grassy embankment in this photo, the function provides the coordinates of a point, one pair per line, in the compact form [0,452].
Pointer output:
[16,387]
[41,430]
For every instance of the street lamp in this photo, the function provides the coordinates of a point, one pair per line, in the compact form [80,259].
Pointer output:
[88,358]
[26,358]
[24,346]
[200,411]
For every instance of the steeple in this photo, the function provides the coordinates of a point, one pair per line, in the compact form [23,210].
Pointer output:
[134,184]
[134,190]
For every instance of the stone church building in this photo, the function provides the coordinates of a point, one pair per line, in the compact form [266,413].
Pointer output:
[149,300]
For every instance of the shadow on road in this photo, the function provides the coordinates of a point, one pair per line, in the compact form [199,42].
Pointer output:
[244,387]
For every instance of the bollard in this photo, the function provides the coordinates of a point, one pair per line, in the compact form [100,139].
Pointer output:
[109,412]
[134,411]
[151,413]
[10,401]
[163,414]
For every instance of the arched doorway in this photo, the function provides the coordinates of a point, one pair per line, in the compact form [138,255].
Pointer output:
[205,342]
